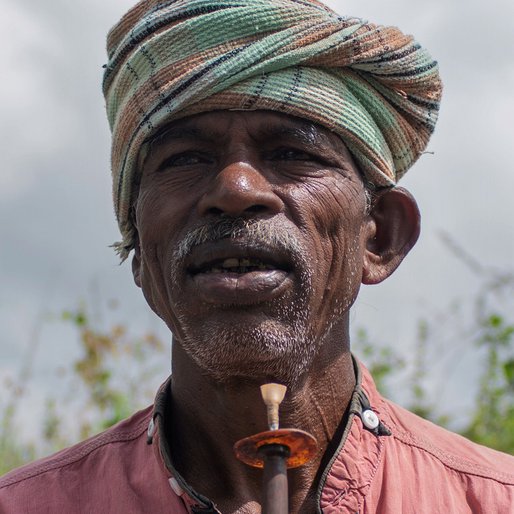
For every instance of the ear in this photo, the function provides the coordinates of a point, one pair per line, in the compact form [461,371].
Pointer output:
[394,229]
[136,263]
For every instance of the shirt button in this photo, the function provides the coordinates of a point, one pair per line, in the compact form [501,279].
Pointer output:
[151,428]
[370,419]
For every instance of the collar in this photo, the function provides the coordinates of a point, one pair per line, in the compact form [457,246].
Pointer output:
[345,478]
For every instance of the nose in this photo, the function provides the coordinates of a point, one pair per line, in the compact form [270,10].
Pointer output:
[240,190]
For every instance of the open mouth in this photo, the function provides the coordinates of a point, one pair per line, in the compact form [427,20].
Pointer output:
[238,272]
[236,257]
[236,265]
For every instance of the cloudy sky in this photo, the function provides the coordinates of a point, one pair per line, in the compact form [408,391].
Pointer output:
[55,208]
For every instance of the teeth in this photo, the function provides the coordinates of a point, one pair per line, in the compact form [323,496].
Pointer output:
[231,263]
[243,265]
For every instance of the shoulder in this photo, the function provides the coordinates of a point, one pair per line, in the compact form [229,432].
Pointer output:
[452,451]
[81,467]
[435,446]
[93,448]
[437,470]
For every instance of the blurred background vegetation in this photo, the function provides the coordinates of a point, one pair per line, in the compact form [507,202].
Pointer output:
[108,381]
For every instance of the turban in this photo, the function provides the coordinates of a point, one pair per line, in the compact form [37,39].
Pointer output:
[375,87]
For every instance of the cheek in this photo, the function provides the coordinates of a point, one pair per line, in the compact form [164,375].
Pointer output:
[333,217]
[157,289]
[155,232]
[332,212]
[160,216]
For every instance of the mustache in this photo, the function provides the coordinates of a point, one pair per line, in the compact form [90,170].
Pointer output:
[255,232]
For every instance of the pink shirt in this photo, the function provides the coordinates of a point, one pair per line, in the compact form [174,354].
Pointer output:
[418,468]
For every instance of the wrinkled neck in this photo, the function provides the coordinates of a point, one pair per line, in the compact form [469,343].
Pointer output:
[210,417]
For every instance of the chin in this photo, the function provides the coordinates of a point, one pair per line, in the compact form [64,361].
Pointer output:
[266,351]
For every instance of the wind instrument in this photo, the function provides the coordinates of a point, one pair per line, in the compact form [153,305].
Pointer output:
[275,451]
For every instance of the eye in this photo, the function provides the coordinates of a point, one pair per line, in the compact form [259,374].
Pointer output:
[184,159]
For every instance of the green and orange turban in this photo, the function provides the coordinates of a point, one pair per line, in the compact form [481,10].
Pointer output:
[374,86]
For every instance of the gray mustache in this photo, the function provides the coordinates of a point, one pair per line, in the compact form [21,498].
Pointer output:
[258,232]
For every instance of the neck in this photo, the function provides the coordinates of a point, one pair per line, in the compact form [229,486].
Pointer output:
[209,417]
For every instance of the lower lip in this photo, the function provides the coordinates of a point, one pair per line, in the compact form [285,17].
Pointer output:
[240,288]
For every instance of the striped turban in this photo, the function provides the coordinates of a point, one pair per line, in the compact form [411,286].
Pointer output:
[372,85]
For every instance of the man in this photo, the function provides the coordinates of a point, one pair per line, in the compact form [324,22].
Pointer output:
[256,148]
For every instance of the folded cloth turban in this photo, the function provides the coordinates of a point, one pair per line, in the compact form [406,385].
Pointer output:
[372,85]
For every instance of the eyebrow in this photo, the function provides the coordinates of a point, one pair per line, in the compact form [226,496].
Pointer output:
[306,133]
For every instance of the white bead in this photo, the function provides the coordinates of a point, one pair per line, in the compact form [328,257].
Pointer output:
[176,487]
[151,428]
[370,419]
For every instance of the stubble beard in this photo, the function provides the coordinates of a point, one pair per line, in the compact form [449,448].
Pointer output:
[272,349]
[277,346]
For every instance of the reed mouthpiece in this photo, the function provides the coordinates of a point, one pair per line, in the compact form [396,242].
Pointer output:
[273,394]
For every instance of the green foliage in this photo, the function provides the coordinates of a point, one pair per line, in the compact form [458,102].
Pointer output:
[103,391]
[381,361]
[492,423]
[111,395]
[12,452]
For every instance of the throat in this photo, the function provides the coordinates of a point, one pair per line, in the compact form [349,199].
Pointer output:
[206,418]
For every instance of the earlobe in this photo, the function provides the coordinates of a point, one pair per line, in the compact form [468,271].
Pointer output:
[392,231]
[136,263]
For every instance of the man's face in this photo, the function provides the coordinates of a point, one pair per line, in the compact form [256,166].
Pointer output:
[252,228]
